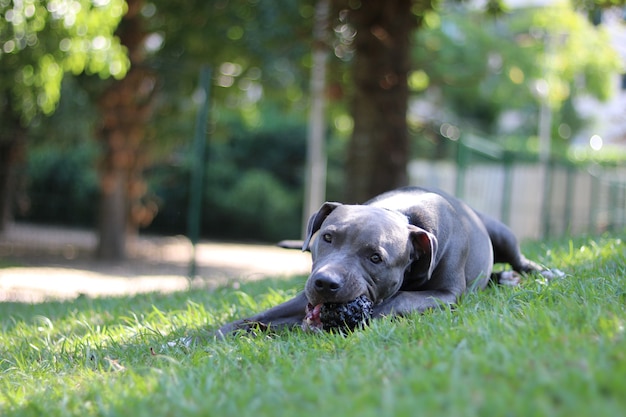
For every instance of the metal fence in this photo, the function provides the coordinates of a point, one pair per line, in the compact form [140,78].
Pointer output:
[536,200]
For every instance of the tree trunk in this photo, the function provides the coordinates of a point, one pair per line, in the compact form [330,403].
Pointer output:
[126,108]
[379,148]
[112,215]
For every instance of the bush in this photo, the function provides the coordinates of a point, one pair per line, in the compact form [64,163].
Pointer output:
[61,186]
[252,189]
[260,207]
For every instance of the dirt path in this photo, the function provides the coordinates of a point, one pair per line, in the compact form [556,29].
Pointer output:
[39,263]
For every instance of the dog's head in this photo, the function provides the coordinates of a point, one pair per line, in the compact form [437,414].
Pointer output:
[364,250]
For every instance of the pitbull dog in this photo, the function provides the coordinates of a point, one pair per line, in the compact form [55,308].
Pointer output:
[407,250]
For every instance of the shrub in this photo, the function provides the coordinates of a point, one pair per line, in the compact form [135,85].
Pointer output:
[61,186]
[260,207]
[252,189]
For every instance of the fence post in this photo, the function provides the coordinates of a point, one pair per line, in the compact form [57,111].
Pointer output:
[594,194]
[569,198]
[613,206]
[546,203]
[461,163]
[197,167]
[507,188]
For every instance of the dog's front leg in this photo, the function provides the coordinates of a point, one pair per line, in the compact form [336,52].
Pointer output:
[406,302]
[288,314]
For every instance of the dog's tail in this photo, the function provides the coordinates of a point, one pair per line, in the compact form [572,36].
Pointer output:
[291,244]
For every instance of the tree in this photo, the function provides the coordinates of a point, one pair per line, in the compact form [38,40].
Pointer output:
[126,107]
[379,145]
[250,47]
[480,67]
[39,43]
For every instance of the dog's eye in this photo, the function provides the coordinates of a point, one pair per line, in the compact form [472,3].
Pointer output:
[376,258]
[327,237]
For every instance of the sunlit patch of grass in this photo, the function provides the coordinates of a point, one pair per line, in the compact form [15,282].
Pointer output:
[582,253]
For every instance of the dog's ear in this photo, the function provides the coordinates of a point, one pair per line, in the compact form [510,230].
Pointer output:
[424,250]
[316,220]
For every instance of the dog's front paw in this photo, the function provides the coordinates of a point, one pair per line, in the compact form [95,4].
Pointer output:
[244,326]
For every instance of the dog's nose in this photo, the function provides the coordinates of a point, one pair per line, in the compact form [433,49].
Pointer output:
[327,284]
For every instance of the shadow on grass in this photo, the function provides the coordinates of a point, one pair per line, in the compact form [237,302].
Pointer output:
[107,311]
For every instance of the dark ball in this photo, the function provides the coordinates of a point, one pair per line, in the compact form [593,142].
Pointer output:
[346,316]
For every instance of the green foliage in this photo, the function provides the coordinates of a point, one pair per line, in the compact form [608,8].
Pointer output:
[539,349]
[41,41]
[72,125]
[259,206]
[483,66]
[62,186]
[60,183]
[258,53]
[609,156]
[578,49]
[253,187]
[256,180]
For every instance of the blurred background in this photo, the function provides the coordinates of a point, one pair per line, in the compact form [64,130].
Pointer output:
[234,119]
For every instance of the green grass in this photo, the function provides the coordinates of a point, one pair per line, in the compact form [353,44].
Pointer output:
[540,349]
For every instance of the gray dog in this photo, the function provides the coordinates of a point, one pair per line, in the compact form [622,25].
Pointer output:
[407,250]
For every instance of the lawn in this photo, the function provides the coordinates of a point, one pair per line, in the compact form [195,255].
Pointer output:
[556,349]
